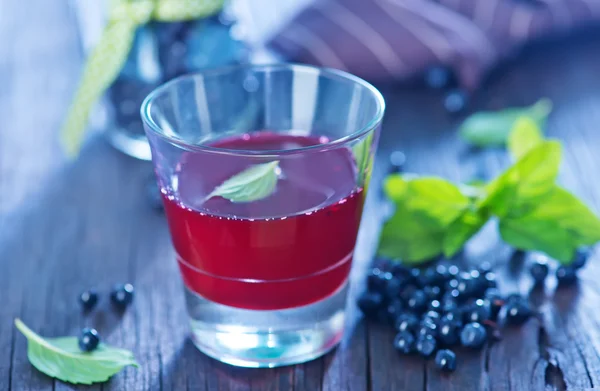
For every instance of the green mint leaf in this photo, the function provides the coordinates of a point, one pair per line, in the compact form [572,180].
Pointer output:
[252,184]
[61,358]
[479,183]
[524,136]
[425,207]
[557,224]
[538,235]
[474,190]
[395,187]
[526,181]
[437,198]
[571,214]
[411,236]
[462,229]
[492,128]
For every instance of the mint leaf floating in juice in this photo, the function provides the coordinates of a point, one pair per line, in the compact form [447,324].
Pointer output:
[252,184]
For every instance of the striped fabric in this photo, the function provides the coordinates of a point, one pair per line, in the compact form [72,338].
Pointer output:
[393,39]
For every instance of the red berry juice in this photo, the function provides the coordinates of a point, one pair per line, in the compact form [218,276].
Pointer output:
[290,249]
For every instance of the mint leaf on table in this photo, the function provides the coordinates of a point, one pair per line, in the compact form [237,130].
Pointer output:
[557,226]
[61,358]
[525,135]
[252,184]
[526,181]
[492,128]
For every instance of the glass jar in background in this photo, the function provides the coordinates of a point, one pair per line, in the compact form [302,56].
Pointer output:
[160,52]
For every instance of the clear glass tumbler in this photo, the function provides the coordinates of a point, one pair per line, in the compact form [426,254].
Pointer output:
[263,172]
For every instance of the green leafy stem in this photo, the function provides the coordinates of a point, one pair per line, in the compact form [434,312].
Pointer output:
[434,216]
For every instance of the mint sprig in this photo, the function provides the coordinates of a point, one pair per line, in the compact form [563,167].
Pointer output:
[61,358]
[252,184]
[425,209]
[434,216]
[492,128]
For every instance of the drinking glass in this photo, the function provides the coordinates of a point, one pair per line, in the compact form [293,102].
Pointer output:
[265,264]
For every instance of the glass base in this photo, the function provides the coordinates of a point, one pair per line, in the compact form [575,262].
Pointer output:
[266,339]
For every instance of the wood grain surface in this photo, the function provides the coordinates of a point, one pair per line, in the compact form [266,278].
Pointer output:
[69,225]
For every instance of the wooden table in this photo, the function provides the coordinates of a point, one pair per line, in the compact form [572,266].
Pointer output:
[69,225]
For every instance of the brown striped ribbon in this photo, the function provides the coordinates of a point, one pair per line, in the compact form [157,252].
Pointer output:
[393,39]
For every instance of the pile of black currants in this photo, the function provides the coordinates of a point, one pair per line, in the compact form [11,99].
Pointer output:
[438,308]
